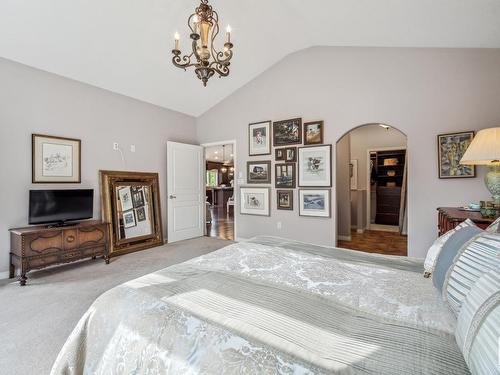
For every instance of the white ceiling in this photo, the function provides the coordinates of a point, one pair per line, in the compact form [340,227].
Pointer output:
[220,154]
[125,45]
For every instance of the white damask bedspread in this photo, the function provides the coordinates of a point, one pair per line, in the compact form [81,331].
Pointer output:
[269,306]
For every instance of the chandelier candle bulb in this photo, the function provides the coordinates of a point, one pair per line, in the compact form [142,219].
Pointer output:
[228,33]
[177,38]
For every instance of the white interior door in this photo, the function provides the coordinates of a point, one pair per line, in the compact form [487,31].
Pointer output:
[185,191]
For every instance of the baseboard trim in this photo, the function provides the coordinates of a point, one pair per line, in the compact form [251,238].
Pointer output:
[241,239]
[4,275]
[344,238]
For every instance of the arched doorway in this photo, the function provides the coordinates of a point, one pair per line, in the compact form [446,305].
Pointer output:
[371,166]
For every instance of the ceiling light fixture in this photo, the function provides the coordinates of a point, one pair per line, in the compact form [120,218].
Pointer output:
[204,25]
[386,127]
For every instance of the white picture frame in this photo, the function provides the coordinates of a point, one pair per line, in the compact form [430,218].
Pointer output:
[259,138]
[255,201]
[314,202]
[315,166]
[125,196]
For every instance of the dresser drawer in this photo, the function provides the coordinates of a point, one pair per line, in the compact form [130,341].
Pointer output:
[43,261]
[92,236]
[70,239]
[45,243]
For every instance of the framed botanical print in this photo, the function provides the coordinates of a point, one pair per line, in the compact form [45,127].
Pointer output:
[284,175]
[55,159]
[313,133]
[284,199]
[259,172]
[279,154]
[451,148]
[315,166]
[254,201]
[291,154]
[314,202]
[287,132]
[259,138]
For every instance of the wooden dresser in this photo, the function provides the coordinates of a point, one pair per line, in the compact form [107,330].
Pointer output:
[450,217]
[39,247]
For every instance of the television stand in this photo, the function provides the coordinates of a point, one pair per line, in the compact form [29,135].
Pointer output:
[38,247]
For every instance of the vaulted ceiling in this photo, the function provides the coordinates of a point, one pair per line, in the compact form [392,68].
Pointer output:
[125,45]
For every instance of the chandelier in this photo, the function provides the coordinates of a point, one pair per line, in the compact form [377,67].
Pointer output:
[204,25]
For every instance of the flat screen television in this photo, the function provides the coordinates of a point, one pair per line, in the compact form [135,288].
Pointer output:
[60,206]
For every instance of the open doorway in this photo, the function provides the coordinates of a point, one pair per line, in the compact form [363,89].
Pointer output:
[219,181]
[372,162]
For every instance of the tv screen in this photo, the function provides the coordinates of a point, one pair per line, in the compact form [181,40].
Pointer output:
[59,206]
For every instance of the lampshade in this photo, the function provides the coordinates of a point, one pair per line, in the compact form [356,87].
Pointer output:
[484,148]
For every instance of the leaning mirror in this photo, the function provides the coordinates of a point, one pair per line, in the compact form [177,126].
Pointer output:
[130,202]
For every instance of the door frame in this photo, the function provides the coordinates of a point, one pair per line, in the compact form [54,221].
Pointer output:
[235,181]
[368,185]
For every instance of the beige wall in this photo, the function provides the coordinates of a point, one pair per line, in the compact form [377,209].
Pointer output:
[32,101]
[422,92]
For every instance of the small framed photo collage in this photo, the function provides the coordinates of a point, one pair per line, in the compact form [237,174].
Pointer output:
[300,159]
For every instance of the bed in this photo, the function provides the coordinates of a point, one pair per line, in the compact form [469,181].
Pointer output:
[270,306]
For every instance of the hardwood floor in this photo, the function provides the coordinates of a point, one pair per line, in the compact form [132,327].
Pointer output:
[374,241]
[222,226]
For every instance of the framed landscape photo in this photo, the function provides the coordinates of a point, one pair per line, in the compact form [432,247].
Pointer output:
[314,202]
[259,138]
[287,132]
[255,201]
[55,159]
[451,148]
[259,172]
[291,154]
[313,133]
[315,166]
[279,154]
[284,175]
[284,199]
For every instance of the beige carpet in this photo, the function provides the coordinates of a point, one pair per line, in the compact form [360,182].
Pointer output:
[35,320]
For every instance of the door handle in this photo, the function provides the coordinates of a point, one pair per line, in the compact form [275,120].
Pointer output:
[172,196]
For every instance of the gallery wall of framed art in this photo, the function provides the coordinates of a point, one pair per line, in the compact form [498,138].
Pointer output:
[300,159]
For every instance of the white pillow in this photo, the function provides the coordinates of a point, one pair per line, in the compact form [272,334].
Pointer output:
[435,249]
[494,227]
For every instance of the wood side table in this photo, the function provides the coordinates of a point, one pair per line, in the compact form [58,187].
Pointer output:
[450,217]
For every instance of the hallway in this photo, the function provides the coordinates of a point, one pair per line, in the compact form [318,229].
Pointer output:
[375,241]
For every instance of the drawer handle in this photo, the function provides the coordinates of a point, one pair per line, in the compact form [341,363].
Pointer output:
[70,239]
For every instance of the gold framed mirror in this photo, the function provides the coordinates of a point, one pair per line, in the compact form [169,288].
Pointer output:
[130,202]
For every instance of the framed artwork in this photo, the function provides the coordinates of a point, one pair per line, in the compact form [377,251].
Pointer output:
[259,172]
[259,138]
[254,201]
[353,173]
[284,199]
[314,203]
[279,154]
[315,166]
[125,198]
[55,159]
[291,154]
[451,148]
[284,175]
[140,213]
[137,196]
[129,219]
[287,132]
[313,133]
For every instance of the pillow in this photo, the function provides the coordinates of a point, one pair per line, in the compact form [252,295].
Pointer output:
[477,258]
[435,249]
[478,324]
[494,227]
[449,251]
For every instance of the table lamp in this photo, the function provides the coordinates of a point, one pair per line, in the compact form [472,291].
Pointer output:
[485,150]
